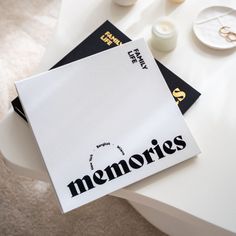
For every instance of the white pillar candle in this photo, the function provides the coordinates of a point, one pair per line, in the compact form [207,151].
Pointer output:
[164,35]
[177,1]
[125,2]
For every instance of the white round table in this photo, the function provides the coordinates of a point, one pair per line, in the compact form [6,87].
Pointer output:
[197,197]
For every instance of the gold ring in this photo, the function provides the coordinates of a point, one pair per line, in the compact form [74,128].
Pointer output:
[231,37]
[224,30]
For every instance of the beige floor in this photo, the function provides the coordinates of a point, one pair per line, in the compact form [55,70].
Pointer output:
[28,207]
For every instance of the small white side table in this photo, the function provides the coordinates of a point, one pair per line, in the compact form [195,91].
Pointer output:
[196,197]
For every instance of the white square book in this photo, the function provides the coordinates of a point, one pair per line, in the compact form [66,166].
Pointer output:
[104,122]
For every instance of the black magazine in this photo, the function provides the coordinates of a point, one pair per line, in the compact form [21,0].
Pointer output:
[107,36]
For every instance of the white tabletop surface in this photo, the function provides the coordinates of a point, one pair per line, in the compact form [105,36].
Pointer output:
[205,186]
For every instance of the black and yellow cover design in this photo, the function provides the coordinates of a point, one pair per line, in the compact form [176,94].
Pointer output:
[107,36]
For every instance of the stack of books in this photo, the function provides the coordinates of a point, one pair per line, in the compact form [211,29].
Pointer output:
[104,119]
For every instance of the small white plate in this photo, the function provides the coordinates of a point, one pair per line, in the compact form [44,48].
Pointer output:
[208,23]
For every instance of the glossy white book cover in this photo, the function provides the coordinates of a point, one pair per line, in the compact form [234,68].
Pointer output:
[104,122]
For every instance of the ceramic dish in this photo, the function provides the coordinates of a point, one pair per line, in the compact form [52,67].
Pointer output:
[208,27]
